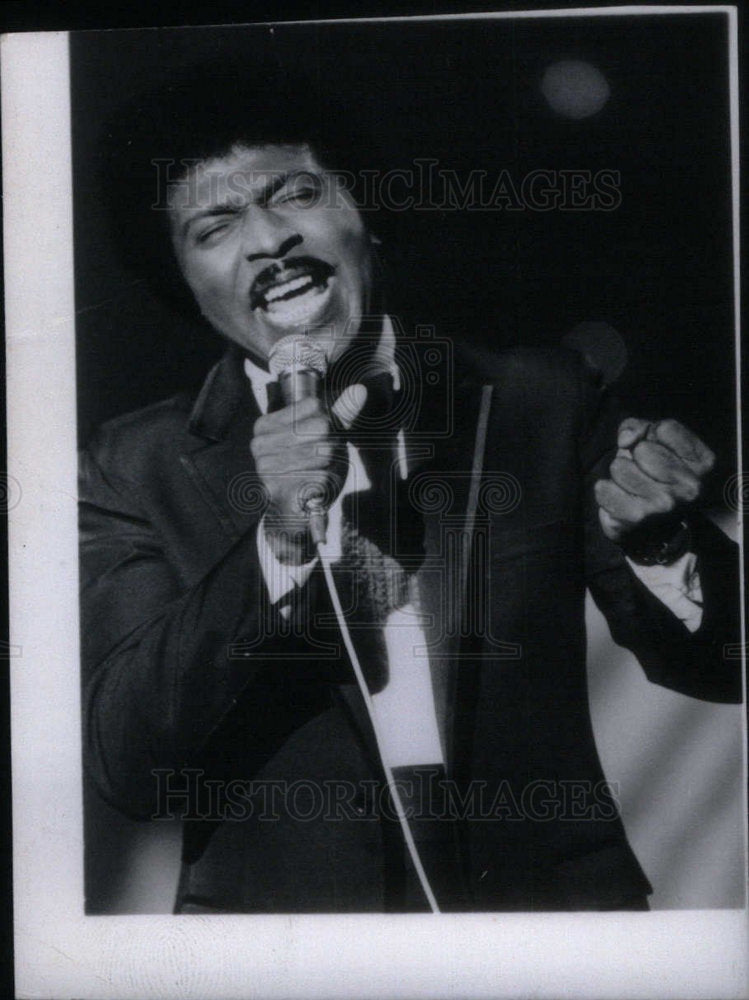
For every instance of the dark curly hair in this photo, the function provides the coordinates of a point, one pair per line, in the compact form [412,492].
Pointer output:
[203,113]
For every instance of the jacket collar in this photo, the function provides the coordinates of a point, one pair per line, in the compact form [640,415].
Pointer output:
[225,397]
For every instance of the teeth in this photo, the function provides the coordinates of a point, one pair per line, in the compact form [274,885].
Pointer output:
[298,306]
[300,309]
[278,291]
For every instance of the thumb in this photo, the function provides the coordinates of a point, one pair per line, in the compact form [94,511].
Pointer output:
[349,404]
[631,431]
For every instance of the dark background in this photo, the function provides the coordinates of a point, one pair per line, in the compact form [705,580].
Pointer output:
[658,268]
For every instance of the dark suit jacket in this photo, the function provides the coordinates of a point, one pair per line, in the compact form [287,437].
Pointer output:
[190,676]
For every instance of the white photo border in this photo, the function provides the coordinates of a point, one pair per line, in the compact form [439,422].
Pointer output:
[60,952]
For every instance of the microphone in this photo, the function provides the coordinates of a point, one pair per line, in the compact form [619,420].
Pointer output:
[300,365]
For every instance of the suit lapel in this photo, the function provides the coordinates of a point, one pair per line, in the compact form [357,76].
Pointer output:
[445,475]
[224,473]
[219,463]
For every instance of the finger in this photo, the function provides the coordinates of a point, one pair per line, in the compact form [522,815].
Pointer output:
[631,431]
[288,416]
[300,483]
[349,404]
[627,474]
[613,528]
[661,464]
[299,459]
[622,505]
[307,432]
[686,445]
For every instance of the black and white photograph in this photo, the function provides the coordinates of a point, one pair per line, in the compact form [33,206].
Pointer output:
[383,571]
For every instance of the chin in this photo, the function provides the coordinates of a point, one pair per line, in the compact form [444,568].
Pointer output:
[336,342]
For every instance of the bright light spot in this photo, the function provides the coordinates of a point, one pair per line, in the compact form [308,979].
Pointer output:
[575,89]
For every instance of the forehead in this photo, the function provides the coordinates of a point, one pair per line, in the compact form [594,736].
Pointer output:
[238,176]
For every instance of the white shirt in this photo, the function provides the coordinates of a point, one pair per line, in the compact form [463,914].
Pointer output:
[677,586]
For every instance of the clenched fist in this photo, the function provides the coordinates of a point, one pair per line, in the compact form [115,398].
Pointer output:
[298,458]
[658,468]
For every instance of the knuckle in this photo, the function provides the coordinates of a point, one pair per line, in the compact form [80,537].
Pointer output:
[605,497]
[630,424]
[665,501]
[669,425]
[691,490]
[647,455]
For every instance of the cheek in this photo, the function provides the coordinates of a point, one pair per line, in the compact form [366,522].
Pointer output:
[340,232]
[210,285]
[354,254]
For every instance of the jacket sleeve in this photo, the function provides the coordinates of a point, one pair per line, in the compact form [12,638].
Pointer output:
[163,664]
[705,663]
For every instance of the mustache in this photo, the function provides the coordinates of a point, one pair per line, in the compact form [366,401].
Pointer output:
[278,273]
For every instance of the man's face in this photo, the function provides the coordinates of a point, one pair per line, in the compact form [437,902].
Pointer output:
[269,246]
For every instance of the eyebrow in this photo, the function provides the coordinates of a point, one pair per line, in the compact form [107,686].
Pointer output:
[231,208]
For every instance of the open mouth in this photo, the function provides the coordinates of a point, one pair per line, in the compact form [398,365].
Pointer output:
[292,292]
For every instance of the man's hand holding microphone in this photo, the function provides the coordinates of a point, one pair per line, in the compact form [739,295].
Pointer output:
[299,455]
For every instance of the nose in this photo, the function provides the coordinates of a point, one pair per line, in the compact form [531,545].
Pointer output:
[266,235]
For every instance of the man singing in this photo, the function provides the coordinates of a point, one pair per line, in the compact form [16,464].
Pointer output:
[218,683]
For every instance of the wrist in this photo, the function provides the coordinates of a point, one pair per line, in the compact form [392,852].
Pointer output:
[288,538]
[658,542]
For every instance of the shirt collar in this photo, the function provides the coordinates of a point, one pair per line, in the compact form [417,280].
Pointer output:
[259,380]
[384,358]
